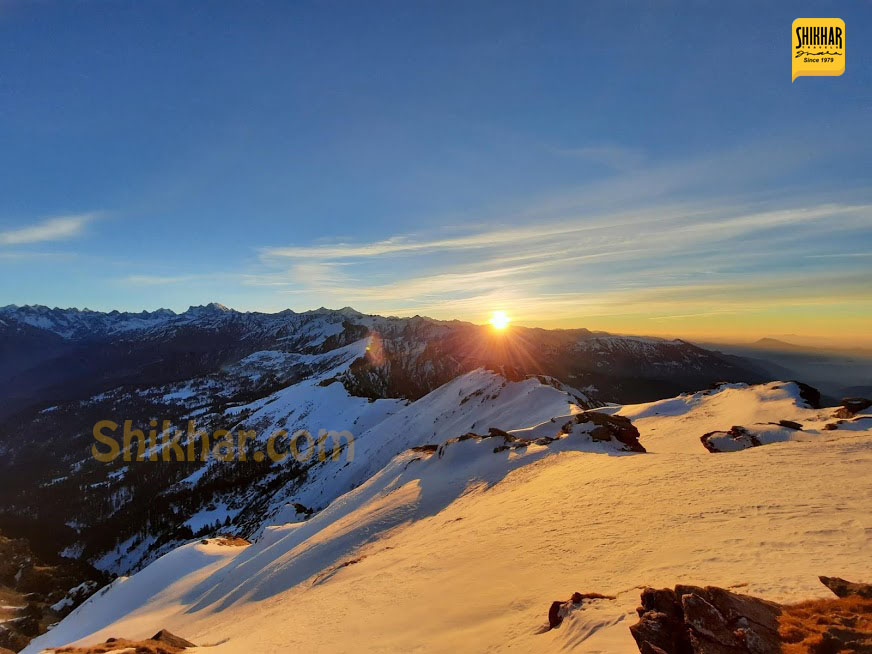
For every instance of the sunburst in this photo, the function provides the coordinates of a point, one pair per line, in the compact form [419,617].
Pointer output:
[499,320]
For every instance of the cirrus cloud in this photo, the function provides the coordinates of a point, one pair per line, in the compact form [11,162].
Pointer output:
[51,229]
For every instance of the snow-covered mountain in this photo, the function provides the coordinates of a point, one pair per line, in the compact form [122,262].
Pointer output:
[394,385]
[56,355]
[462,544]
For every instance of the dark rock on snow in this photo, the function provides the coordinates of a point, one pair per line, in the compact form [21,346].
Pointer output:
[559,609]
[851,406]
[844,588]
[710,620]
[164,636]
[609,426]
[855,404]
[810,394]
[790,424]
[740,435]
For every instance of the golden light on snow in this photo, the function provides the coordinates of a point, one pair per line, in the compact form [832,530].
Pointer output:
[499,320]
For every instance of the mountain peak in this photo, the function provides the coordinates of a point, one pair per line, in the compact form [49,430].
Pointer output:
[211,308]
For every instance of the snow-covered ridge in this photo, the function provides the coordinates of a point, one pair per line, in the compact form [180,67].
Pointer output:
[474,402]
[73,323]
[678,424]
[381,429]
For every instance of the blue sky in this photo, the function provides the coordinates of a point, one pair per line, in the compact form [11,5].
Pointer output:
[644,167]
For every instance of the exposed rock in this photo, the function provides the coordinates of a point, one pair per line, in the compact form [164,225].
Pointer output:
[830,426]
[560,609]
[737,438]
[661,622]
[3,650]
[231,541]
[608,427]
[790,424]
[693,620]
[711,620]
[810,394]
[844,588]
[164,636]
[648,648]
[855,404]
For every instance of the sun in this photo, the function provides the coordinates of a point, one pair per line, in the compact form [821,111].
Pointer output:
[499,320]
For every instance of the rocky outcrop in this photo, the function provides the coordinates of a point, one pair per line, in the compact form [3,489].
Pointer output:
[164,636]
[851,406]
[737,438]
[605,427]
[810,394]
[710,620]
[844,588]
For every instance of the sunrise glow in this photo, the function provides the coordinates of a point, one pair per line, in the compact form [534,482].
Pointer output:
[499,320]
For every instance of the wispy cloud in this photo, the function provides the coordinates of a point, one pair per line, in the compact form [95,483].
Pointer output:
[52,229]
[601,233]
[663,264]
[839,255]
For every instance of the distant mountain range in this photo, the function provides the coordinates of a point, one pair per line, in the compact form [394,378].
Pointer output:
[837,372]
[770,343]
[49,355]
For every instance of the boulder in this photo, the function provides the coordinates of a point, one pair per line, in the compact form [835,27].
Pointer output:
[167,638]
[844,588]
[790,424]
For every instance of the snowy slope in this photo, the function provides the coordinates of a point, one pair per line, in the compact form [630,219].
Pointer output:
[676,424]
[155,589]
[473,402]
[463,548]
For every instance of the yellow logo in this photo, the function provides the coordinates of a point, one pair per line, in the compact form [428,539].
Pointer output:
[818,46]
